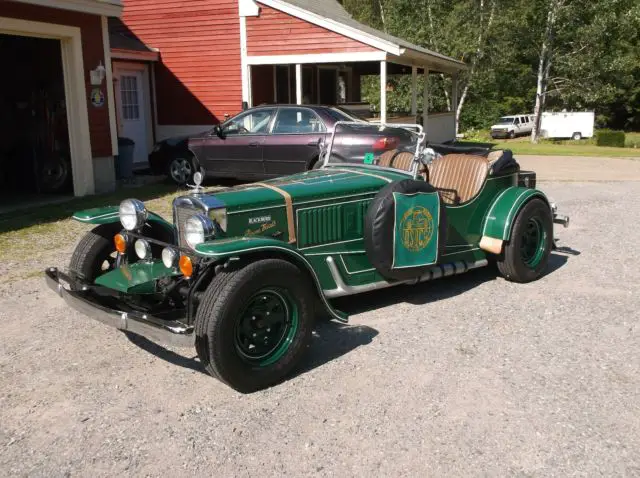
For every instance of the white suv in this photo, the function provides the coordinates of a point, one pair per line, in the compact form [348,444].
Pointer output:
[512,126]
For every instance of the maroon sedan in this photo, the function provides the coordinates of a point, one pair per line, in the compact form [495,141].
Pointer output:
[270,141]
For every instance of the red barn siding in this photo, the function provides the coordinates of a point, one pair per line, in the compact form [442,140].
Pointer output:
[198,79]
[277,33]
[92,52]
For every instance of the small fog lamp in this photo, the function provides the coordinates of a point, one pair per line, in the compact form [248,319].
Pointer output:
[143,249]
[170,257]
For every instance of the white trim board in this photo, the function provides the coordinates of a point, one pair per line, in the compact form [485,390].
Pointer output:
[109,8]
[134,55]
[75,93]
[109,81]
[317,58]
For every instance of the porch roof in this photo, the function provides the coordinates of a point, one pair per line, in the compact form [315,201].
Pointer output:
[331,15]
[94,7]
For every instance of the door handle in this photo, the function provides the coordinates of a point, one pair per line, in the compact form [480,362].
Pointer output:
[255,144]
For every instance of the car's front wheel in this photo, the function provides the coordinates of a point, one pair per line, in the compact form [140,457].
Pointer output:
[181,169]
[254,324]
[526,255]
[96,253]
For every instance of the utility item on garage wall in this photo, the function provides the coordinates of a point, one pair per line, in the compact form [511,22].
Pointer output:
[97,97]
[98,75]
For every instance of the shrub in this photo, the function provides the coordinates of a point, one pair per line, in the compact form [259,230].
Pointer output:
[607,137]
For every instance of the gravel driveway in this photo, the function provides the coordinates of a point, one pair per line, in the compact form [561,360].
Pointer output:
[467,376]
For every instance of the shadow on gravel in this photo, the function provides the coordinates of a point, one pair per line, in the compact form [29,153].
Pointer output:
[329,342]
[427,292]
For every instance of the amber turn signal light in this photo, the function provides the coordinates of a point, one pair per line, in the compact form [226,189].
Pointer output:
[120,242]
[186,266]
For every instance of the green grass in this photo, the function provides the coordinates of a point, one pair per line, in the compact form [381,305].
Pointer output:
[585,147]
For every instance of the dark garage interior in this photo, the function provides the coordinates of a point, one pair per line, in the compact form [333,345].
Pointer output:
[35,162]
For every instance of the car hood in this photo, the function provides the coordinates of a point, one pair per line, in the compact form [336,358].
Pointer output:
[500,126]
[322,184]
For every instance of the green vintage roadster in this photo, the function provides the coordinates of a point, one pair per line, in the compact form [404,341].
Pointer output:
[242,273]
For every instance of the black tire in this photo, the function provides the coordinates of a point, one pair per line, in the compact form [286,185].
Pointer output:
[379,228]
[513,264]
[576,136]
[512,134]
[219,322]
[181,169]
[95,254]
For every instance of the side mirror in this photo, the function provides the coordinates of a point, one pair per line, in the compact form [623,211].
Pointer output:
[217,130]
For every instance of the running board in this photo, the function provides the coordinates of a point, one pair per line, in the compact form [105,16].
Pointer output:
[436,272]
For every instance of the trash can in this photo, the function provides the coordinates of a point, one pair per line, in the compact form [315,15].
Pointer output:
[124,160]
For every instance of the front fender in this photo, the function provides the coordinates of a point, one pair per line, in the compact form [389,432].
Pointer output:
[502,213]
[109,215]
[243,246]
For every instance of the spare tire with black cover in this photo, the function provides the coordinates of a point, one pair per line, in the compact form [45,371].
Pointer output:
[380,229]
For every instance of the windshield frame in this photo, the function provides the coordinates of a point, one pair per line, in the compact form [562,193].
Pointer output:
[420,146]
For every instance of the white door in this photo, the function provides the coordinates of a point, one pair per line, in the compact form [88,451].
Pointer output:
[133,95]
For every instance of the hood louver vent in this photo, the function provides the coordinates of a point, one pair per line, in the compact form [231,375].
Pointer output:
[329,224]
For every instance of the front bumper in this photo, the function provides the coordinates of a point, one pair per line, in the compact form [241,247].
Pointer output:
[499,134]
[167,332]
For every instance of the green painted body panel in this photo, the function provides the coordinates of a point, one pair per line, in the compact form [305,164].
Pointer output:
[136,278]
[109,215]
[501,215]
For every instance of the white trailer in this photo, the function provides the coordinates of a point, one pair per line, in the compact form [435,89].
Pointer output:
[567,124]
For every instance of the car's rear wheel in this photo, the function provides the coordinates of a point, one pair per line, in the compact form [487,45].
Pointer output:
[181,169]
[526,255]
[254,324]
[576,136]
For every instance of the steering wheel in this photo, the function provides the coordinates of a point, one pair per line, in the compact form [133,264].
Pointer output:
[242,129]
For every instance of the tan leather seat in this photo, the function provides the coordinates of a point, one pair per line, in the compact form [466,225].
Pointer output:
[458,177]
[386,158]
[403,160]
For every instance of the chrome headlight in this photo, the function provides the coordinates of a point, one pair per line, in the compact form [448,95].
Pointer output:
[198,229]
[220,216]
[133,214]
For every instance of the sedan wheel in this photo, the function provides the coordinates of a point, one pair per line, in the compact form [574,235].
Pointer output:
[180,170]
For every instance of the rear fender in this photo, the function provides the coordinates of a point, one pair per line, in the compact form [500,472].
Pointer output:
[110,215]
[235,248]
[498,222]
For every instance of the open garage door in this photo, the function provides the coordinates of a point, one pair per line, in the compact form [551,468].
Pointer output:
[34,138]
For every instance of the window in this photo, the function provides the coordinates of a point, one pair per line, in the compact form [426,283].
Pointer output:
[129,95]
[297,121]
[517,121]
[253,122]
[523,119]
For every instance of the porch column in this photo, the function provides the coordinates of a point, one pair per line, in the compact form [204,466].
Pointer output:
[425,100]
[299,84]
[383,91]
[414,91]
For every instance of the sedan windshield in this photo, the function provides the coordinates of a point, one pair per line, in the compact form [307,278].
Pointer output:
[366,143]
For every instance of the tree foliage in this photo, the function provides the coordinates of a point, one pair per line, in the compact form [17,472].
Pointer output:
[591,62]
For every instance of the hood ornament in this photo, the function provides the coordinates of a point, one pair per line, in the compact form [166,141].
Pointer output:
[197,188]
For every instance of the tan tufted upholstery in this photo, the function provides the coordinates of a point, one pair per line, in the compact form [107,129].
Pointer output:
[403,161]
[458,177]
[386,158]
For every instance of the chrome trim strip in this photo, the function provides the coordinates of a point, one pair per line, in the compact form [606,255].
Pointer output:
[436,272]
[172,333]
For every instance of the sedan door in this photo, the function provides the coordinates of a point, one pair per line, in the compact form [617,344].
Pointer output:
[294,142]
[238,150]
